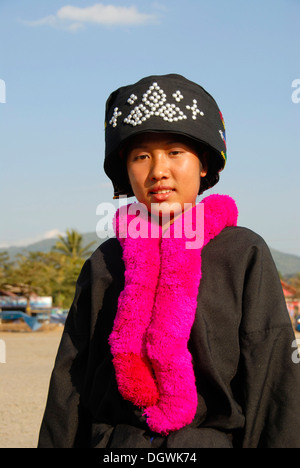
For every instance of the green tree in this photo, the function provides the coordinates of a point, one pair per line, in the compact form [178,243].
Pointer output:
[46,274]
[72,245]
[5,266]
[29,276]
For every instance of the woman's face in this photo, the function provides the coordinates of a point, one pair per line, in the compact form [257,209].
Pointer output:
[164,171]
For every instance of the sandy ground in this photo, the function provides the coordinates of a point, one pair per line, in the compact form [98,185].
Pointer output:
[24,381]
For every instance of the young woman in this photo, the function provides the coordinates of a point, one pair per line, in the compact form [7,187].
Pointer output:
[178,336]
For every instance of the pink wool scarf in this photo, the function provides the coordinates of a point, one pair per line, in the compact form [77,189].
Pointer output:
[156,311]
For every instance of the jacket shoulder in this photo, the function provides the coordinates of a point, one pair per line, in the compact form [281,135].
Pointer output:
[242,235]
[237,242]
[107,259]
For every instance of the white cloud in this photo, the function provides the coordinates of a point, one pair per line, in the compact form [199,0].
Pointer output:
[73,18]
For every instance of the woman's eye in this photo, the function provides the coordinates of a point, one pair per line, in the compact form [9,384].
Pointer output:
[140,157]
[175,152]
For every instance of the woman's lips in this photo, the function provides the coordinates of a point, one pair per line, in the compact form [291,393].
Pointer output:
[161,195]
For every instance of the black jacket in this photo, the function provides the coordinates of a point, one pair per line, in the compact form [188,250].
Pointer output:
[241,343]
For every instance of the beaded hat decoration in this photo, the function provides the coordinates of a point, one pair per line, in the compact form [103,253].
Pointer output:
[170,104]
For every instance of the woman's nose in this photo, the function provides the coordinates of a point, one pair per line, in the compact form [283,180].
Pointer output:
[159,168]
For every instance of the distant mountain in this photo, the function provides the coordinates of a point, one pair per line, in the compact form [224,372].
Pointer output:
[287,264]
[47,244]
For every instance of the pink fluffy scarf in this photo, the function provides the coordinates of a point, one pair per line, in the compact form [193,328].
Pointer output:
[156,310]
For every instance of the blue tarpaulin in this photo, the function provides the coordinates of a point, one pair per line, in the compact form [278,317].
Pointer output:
[32,322]
[58,318]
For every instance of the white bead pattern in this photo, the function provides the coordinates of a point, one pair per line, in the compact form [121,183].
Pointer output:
[114,120]
[154,103]
[132,99]
[222,135]
[194,109]
[178,96]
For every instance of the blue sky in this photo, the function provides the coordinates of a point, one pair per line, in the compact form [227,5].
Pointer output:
[60,61]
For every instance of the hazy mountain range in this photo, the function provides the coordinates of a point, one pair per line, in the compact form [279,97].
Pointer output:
[287,264]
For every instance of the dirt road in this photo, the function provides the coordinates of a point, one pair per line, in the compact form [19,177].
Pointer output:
[24,381]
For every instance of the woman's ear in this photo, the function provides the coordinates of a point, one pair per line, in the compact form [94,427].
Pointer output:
[204,163]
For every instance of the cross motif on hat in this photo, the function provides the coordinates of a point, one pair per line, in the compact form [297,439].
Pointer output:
[114,120]
[194,109]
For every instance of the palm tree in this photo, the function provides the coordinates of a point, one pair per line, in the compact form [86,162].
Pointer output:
[71,245]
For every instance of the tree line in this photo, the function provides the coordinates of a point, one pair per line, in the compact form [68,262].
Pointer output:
[46,274]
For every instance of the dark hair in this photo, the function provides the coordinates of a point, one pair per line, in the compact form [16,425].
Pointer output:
[212,177]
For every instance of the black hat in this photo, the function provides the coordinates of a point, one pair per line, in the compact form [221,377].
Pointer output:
[170,104]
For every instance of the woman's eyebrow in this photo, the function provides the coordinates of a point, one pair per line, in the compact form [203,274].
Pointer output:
[145,146]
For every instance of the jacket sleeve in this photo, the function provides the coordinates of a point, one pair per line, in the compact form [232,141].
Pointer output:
[61,418]
[271,380]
